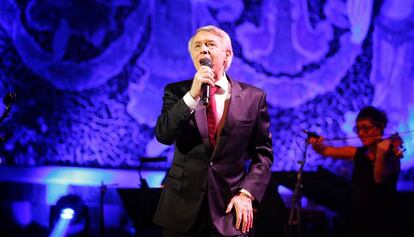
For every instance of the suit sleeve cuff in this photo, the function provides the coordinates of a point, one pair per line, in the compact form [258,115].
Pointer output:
[190,101]
[247,193]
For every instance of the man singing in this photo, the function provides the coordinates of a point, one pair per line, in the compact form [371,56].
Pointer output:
[209,189]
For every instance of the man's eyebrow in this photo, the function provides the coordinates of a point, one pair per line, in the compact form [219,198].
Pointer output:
[201,41]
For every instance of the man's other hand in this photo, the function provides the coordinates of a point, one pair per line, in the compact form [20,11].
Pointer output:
[242,204]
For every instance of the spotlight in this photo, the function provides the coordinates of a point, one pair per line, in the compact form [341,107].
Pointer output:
[69,217]
[67,213]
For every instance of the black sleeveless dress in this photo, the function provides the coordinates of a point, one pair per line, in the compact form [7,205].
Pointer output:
[373,205]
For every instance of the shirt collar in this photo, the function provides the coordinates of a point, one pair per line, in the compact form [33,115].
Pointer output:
[223,83]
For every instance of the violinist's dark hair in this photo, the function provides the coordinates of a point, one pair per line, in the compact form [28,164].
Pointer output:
[378,117]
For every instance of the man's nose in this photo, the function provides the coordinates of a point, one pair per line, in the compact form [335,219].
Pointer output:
[204,49]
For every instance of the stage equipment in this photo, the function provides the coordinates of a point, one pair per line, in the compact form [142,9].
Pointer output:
[69,217]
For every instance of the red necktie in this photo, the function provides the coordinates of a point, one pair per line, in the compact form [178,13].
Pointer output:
[212,117]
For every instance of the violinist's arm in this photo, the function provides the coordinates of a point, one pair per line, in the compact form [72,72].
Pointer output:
[386,165]
[345,152]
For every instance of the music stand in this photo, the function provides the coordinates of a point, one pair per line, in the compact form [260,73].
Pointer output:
[102,190]
[295,215]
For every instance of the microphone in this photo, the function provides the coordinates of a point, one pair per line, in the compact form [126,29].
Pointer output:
[206,87]
[9,99]
[311,134]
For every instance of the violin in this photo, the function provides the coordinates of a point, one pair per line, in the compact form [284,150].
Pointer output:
[396,146]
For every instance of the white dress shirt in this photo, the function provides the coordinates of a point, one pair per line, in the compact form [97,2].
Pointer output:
[222,94]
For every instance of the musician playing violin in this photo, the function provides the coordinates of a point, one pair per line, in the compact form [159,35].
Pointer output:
[374,176]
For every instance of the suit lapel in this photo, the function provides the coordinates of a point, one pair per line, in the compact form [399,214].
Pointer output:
[200,115]
[235,107]
[233,112]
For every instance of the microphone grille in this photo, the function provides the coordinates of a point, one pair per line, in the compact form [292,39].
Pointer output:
[206,62]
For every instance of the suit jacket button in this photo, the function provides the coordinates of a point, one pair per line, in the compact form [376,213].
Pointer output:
[211,164]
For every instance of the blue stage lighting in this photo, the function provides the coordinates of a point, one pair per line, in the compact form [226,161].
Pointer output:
[69,217]
[67,213]
[69,207]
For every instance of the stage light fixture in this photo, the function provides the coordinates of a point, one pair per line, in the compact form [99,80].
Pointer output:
[69,217]
[67,213]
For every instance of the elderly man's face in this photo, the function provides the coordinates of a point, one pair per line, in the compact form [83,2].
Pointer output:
[209,45]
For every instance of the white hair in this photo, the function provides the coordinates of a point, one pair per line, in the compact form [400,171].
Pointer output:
[223,36]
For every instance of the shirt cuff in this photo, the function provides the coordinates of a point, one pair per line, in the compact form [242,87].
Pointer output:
[247,193]
[190,101]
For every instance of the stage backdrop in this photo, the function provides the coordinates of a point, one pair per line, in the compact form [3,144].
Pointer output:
[89,75]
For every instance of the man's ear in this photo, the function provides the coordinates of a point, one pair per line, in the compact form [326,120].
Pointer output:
[228,55]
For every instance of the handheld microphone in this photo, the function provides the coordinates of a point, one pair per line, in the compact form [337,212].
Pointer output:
[311,134]
[206,87]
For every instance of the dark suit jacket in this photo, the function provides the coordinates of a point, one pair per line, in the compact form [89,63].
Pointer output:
[220,174]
